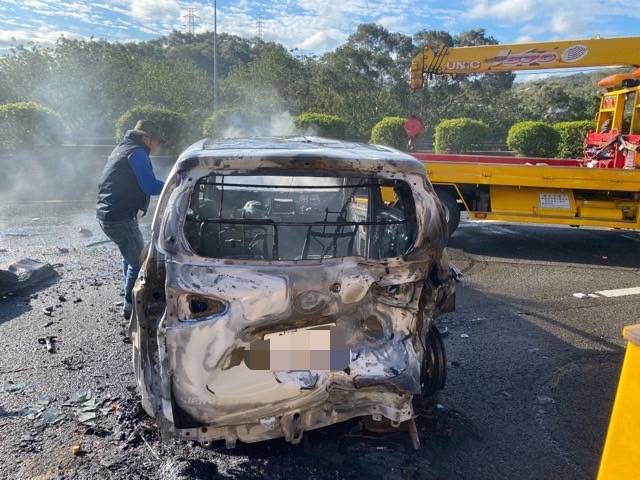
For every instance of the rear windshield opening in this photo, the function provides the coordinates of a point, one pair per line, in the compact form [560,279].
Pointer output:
[300,218]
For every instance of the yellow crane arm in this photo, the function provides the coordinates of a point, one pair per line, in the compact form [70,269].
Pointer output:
[593,52]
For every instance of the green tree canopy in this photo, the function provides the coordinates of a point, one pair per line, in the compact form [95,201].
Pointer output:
[91,83]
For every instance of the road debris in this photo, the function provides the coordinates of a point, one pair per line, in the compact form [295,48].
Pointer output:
[153,452]
[49,341]
[585,295]
[85,232]
[34,411]
[43,413]
[88,418]
[97,243]
[13,387]
[23,274]
[51,416]
[544,400]
[82,406]
[47,311]
[87,408]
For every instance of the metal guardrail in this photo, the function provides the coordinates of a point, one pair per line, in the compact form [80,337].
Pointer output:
[484,147]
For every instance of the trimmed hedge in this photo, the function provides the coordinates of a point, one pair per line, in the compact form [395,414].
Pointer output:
[390,132]
[321,124]
[28,125]
[533,139]
[460,135]
[173,125]
[572,135]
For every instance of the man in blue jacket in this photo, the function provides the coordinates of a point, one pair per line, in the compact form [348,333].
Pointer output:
[126,184]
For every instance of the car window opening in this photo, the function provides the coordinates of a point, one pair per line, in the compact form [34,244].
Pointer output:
[300,218]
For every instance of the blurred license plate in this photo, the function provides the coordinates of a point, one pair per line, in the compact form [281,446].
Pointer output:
[319,348]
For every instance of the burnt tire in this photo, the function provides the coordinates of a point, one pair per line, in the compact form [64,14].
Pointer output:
[451,210]
[434,363]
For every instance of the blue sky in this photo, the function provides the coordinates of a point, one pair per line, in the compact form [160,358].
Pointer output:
[313,26]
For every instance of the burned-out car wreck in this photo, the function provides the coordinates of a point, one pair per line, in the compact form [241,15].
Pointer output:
[290,284]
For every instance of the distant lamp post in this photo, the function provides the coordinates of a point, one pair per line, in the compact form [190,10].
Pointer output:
[215,56]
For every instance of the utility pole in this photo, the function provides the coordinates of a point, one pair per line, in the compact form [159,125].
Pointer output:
[215,55]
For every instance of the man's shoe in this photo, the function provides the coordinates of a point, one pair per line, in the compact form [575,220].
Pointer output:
[126,310]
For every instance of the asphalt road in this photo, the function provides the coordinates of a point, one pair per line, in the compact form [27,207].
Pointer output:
[538,372]
[533,367]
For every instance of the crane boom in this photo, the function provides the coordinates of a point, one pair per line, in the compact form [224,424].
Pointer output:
[593,52]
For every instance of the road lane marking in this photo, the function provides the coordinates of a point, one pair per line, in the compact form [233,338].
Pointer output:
[620,292]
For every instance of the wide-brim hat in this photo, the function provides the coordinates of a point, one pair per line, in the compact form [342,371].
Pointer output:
[148,128]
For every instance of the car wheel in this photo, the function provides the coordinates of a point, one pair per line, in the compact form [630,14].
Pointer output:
[434,363]
[451,210]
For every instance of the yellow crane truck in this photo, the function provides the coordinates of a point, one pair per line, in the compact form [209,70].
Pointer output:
[602,189]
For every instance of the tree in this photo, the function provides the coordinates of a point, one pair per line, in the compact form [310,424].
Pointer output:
[549,101]
[272,84]
[433,38]
[572,137]
[481,97]
[90,83]
[233,51]
[22,71]
[364,80]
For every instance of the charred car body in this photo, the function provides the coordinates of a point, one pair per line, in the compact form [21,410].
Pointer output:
[290,284]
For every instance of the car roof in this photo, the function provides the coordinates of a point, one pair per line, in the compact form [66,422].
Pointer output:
[301,153]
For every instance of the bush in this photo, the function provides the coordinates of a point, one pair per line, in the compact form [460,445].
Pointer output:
[459,135]
[572,135]
[390,132]
[239,123]
[27,125]
[195,120]
[321,124]
[173,125]
[533,139]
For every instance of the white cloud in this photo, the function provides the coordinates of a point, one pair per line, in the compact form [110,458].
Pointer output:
[158,10]
[568,23]
[516,10]
[562,20]
[331,9]
[317,26]
[392,23]
[35,4]
[42,36]
[317,41]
